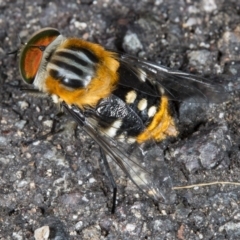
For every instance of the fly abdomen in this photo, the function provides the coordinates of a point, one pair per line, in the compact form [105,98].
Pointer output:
[138,109]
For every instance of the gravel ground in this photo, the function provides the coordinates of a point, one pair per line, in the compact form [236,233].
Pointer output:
[52,180]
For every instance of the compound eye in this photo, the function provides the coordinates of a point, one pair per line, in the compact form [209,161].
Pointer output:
[31,54]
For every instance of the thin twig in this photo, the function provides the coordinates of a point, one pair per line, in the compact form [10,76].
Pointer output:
[205,184]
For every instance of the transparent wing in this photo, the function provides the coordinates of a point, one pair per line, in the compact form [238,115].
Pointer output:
[142,163]
[178,85]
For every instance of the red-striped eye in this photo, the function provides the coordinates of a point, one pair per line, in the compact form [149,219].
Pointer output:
[31,54]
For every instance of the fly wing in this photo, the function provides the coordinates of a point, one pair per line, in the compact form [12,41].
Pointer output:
[147,169]
[178,85]
[142,163]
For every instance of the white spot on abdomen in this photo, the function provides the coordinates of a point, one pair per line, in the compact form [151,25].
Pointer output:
[130,97]
[152,111]
[112,130]
[142,104]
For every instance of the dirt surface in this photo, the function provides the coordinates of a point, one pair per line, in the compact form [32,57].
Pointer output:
[53,180]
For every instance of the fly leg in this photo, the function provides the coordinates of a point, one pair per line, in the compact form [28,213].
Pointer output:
[106,169]
[53,131]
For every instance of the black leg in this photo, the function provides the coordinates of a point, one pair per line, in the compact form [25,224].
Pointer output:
[52,131]
[106,169]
